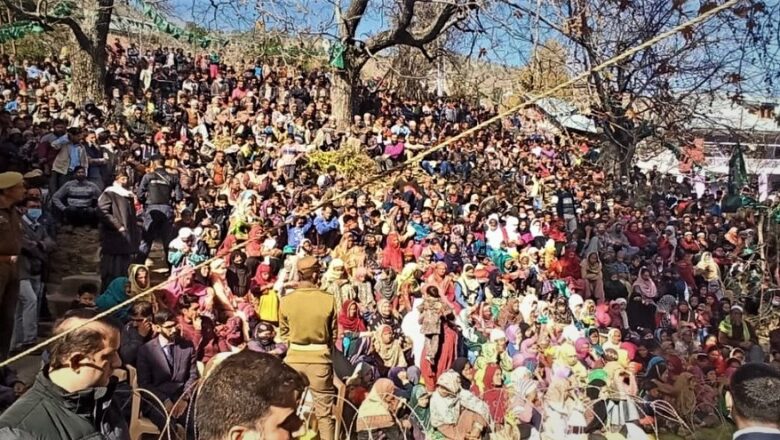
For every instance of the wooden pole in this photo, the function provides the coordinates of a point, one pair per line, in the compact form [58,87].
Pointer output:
[764,266]
[13,42]
[2,45]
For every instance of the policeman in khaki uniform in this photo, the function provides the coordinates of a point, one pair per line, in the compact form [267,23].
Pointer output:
[307,323]
[11,193]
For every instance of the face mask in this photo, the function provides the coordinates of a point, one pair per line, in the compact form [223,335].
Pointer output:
[34,213]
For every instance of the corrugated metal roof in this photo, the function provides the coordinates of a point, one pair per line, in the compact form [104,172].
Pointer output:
[726,114]
[566,114]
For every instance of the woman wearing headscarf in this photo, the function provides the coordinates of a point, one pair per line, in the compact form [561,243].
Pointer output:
[393,255]
[468,290]
[350,325]
[614,338]
[667,243]
[453,259]
[710,271]
[443,282]
[365,295]
[456,413]
[386,286]
[266,299]
[376,416]
[593,275]
[495,284]
[510,314]
[585,354]
[138,275]
[389,349]
[569,264]
[123,288]
[684,268]
[238,276]
[524,412]
[494,394]
[566,358]
[408,286]
[385,315]
[465,371]
[118,291]
[557,407]
[421,414]
[351,254]
[644,286]
[335,282]
[404,379]
[484,319]
[263,341]
[472,247]
[187,284]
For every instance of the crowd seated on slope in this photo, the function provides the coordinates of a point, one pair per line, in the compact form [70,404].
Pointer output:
[506,284]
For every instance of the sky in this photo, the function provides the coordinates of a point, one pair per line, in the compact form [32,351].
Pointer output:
[231,15]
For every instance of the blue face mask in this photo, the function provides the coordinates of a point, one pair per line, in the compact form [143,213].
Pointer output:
[34,213]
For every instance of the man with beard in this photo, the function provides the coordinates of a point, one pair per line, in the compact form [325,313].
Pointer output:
[119,233]
[167,368]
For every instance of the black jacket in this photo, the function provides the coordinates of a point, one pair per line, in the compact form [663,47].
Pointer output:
[47,412]
[116,211]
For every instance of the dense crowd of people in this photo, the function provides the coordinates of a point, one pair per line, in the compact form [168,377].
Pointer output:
[506,286]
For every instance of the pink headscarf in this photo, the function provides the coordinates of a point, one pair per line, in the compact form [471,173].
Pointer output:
[582,347]
[602,315]
[630,349]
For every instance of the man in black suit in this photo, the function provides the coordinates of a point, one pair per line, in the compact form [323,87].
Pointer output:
[167,368]
[755,390]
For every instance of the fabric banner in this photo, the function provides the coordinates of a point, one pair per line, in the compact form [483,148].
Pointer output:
[165,26]
[19,29]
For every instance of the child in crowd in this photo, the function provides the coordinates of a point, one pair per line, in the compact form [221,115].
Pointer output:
[431,311]
[85,297]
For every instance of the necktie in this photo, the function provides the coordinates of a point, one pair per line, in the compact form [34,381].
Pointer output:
[168,356]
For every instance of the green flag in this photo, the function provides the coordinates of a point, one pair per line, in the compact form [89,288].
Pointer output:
[336,55]
[737,180]
[737,171]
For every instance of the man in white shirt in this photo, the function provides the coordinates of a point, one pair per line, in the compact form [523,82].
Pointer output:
[755,391]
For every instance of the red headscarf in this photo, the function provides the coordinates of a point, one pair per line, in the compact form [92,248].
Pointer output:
[494,396]
[258,281]
[570,264]
[393,256]
[350,324]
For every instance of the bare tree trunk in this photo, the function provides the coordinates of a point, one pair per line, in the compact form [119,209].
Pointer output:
[89,76]
[342,97]
[88,57]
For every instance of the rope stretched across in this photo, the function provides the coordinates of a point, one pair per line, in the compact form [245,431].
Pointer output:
[414,159]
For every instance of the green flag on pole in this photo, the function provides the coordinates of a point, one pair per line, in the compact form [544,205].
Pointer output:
[737,171]
[737,180]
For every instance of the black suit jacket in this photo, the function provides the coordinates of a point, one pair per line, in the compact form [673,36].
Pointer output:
[758,436]
[117,212]
[155,376]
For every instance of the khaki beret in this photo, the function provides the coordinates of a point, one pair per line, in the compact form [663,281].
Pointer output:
[308,264]
[10,179]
